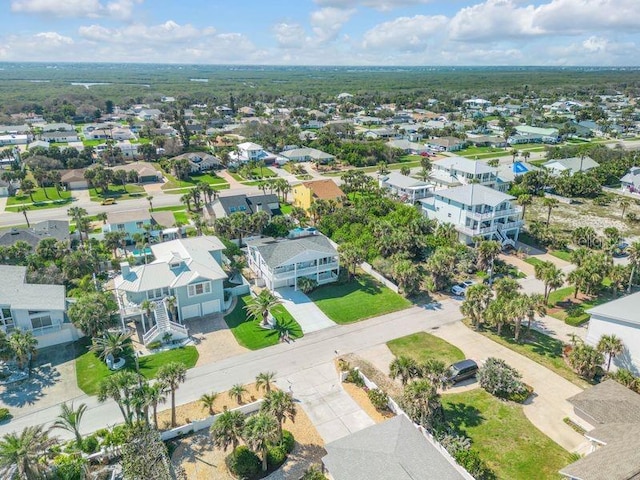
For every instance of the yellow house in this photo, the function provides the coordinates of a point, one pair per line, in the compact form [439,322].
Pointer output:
[305,193]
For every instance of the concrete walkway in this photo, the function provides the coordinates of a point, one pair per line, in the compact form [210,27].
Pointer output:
[306,313]
[233,183]
[548,406]
[3,203]
[332,410]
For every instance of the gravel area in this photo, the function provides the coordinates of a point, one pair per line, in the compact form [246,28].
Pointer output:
[362,399]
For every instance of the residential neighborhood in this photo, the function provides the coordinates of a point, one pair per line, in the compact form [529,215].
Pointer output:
[320,283]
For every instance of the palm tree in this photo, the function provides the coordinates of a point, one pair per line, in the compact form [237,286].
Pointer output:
[172,375]
[476,301]
[150,200]
[148,307]
[227,429]
[186,199]
[610,345]
[260,431]
[119,388]
[156,394]
[24,345]
[24,209]
[624,204]
[237,391]
[281,405]
[525,200]
[28,187]
[550,275]
[172,305]
[404,367]
[69,420]
[537,304]
[110,344]
[261,305]
[207,400]
[102,216]
[634,261]
[351,256]
[264,380]
[25,451]
[550,203]
[420,400]
[488,250]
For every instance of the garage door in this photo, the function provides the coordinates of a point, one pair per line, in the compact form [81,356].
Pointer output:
[210,307]
[191,311]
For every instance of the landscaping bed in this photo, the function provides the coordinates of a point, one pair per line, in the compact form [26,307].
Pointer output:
[356,300]
[503,436]
[251,335]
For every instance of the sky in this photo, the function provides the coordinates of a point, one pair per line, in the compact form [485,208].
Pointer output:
[324,32]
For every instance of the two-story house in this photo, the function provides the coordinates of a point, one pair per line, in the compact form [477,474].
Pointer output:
[160,225]
[407,189]
[305,193]
[279,263]
[188,270]
[37,308]
[456,171]
[476,211]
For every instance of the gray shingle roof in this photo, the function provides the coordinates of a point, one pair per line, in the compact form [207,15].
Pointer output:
[279,252]
[392,450]
[609,402]
[624,309]
[137,215]
[14,291]
[247,204]
[574,163]
[58,229]
[474,194]
[402,181]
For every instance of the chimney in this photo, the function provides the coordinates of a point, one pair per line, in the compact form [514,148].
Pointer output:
[125,269]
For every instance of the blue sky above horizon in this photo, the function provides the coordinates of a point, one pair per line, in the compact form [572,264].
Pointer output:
[324,32]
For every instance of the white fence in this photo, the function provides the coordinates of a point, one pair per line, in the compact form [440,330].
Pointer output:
[395,408]
[378,276]
[198,425]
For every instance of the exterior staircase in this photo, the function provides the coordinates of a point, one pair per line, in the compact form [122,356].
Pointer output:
[164,325]
[504,240]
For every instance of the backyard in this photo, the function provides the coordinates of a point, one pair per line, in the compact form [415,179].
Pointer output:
[91,370]
[422,346]
[356,300]
[504,437]
[251,335]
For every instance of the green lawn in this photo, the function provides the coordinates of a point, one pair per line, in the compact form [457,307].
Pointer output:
[482,150]
[183,190]
[503,436]
[356,300]
[560,294]
[285,208]
[90,370]
[248,332]
[561,254]
[210,178]
[541,348]
[533,261]
[182,218]
[174,208]
[264,172]
[118,192]
[92,143]
[39,195]
[422,346]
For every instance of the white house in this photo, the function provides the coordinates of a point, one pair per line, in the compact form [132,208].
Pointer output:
[59,136]
[247,151]
[619,317]
[188,270]
[307,155]
[38,308]
[456,171]
[476,211]
[571,165]
[631,181]
[279,263]
[408,146]
[408,189]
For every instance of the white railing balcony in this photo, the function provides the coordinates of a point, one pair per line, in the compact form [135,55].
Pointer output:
[305,271]
[476,231]
[493,214]
[45,330]
[510,225]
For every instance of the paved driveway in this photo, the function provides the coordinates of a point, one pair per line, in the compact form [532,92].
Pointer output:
[548,406]
[306,313]
[332,410]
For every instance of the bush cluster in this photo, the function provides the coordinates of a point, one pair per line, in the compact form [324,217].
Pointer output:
[4,414]
[354,377]
[243,463]
[502,381]
[379,399]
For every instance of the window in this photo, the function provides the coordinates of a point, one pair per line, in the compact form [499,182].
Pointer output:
[121,227]
[41,322]
[199,289]
[157,293]
[139,224]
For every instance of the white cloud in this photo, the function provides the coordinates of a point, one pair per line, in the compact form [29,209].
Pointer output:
[290,35]
[53,39]
[120,9]
[383,5]
[327,22]
[169,32]
[404,33]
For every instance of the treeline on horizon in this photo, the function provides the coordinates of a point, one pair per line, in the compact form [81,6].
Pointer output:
[24,84]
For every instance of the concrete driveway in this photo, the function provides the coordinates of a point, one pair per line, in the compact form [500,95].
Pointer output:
[332,410]
[306,313]
[548,406]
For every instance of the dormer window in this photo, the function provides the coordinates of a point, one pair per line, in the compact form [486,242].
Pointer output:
[173,265]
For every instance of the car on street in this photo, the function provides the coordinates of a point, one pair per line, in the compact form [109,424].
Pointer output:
[108,201]
[461,288]
[462,370]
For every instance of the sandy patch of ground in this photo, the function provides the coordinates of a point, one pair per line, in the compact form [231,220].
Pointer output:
[362,399]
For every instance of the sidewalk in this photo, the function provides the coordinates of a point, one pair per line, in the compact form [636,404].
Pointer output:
[548,406]
[233,183]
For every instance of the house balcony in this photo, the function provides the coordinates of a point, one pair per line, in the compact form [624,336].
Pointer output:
[497,214]
[303,272]
[38,332]
[509,225]
[472,232]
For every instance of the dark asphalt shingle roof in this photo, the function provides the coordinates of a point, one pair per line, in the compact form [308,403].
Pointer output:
[278,252]
[249,204]
[609,402]
[392,450]
[58,229]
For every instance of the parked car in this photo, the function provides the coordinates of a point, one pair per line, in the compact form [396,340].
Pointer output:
[108,201]
[461,288]
[462,370]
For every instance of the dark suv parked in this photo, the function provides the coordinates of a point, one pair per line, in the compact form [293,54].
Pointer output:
[462,370]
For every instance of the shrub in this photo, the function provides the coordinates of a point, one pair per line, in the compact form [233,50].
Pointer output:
[69,467]
[306,284]
[585,359]
[632,217]
[287,442]
[90,444]
[4,414]
[379,399]
[276,456]
[343,365]
[354,377]
[501,380]
[154,345]
[242,462]
[472,463]
[313,473]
